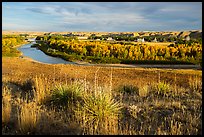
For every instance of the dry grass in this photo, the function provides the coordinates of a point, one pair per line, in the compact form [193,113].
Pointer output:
[161,102]
[99,113]
[42,89]
[195,83]
[6,105]
[28,117]
[143,90]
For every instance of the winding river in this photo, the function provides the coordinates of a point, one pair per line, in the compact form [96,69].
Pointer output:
[38,55]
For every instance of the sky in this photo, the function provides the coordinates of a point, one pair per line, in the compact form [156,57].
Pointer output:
[101,16]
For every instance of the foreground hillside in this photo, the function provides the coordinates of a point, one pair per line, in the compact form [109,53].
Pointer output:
[69,99]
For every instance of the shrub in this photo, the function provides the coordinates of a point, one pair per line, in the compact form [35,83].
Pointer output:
[129,89]
[65,94]
[99,113]
[161,89]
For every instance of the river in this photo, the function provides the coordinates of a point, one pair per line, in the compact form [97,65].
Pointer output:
[40,56]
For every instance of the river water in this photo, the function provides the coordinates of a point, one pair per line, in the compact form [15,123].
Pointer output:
[40,56]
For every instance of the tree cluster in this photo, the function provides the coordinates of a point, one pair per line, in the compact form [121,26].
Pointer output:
[9,42]
[100,49]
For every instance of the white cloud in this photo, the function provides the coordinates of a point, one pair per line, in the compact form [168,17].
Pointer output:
[109,16]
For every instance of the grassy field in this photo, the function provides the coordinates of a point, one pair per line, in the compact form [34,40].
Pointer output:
[68,99]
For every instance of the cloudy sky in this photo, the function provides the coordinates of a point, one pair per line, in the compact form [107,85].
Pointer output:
[101,16]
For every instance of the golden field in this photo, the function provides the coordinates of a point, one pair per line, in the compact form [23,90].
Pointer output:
[70,99]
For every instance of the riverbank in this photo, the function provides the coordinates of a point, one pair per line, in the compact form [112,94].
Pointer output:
[83,63]
[26,66]
[12,49]
[19,45]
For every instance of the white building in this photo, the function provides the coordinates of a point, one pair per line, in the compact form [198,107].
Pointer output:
[140,40]
[187,38]
[155,39]
[110,38]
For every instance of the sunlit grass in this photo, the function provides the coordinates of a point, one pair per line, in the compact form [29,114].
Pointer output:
[6,105]
[42,89]
[28,117]
[148,105]
[67,94]
[99,113]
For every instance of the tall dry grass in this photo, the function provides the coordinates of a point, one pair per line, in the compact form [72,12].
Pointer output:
[6,105]
[158,108]
[99,113]
[195,83]
[28,117]
[41,89]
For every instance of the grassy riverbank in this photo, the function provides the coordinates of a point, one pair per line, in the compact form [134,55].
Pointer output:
[69,99]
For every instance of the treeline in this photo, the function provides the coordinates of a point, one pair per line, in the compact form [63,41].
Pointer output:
[160,38]
[9,42]
[101,50]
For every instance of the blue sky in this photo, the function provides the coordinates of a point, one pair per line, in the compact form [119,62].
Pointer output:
[101,16]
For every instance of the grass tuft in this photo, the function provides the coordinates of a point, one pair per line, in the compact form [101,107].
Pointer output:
[129,89]
[99,113]
[28,116]
[6,105]
[66,94]
[42,89]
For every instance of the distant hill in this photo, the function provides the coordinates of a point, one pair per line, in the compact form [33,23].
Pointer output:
[22,32]
[179,34]
[194,34]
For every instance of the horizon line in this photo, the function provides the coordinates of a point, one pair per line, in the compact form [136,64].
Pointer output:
[104,31]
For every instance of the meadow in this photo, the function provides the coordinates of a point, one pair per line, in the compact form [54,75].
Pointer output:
[89,100]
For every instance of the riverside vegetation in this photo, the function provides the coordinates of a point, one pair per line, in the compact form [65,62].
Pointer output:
[71,49]
[80,100]
[9,43]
